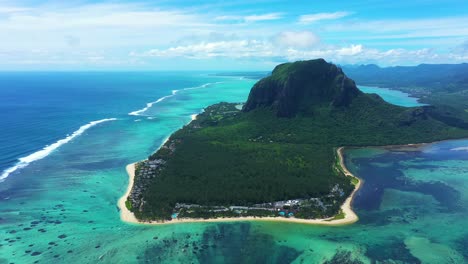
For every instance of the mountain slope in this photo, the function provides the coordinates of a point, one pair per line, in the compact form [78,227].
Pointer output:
[295,87]
[279,147]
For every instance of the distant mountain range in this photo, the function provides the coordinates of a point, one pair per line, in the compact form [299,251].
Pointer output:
[444,86]
[431,77]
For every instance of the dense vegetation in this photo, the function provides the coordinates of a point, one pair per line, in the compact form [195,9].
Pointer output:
[431,77]
[444,86]
[301,87]
[232,157]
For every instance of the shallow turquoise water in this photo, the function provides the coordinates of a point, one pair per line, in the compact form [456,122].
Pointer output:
[392,96]
[62,208]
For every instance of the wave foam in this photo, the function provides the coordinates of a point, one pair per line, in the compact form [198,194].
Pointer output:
[148,105]
[460,149]
[201,86]
[174,92]
[25,161]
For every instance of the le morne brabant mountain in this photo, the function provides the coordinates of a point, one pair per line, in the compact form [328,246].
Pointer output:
[278,150]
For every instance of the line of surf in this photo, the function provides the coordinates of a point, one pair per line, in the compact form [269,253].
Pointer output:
[460,149]
[174,92]
[25,161]
[149,105]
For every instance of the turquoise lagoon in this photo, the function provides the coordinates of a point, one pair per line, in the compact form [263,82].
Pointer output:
[392,96]
[60,206]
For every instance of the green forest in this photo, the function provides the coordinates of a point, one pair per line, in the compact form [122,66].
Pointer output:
[443,86]
[232,157]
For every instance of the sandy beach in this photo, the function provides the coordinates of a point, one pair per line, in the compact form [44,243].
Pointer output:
[125,214]
[350,215]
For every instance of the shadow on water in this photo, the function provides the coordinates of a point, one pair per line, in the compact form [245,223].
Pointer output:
[377,179]
[392,248]
[223,243]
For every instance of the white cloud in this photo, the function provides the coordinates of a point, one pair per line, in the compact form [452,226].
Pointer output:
[350,51]
[250,18]
[12,9]
[251,49]
[297,39]
[231,49]
[226,18]
[97,16]
[311,18]
[106,33]
[113,29]
[337,54]
[267,51]
[403,28]
[360,54]
[264,17]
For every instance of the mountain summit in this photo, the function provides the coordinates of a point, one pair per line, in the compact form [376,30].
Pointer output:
[301,86]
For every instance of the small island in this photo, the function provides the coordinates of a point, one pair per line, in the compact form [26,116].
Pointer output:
[278,157]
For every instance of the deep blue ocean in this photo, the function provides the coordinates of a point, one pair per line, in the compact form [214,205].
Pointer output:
[40,108]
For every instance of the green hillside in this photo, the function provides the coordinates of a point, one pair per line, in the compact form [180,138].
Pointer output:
[281,146]
[444,86]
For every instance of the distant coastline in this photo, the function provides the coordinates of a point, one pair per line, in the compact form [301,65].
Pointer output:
[349,215]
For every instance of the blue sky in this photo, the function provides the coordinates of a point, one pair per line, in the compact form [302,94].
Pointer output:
[228,35]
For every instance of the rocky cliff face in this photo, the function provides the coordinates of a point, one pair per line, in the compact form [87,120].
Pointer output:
[298,87]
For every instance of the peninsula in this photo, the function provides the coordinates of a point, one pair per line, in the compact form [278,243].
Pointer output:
[279,158]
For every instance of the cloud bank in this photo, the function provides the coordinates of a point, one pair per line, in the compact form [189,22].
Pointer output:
[142,35]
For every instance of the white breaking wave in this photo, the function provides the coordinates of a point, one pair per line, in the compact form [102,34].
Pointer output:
[460,149]
[174,92]
[201,86]
[148,105]
[25,161]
